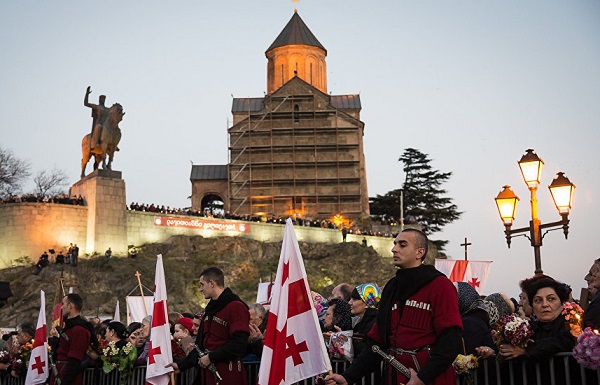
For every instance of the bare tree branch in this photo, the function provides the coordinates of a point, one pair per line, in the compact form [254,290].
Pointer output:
[50,181]
[13,172]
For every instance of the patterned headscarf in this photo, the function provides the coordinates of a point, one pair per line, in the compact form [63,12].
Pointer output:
[320,304]
[370,294]
[468,298]
[498,307]
[342,317]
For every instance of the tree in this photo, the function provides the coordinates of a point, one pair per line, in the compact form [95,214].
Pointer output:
[13,172]
[424,200]
[50,181]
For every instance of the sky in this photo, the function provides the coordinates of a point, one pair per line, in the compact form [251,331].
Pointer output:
[471,83]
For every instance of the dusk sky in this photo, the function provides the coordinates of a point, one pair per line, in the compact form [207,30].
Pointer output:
[471,83]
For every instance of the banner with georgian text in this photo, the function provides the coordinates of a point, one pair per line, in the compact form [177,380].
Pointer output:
[202,224]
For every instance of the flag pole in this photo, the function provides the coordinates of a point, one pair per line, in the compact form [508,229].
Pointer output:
[138,275]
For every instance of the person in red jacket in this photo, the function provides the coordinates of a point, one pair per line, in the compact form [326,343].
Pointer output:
[73,343]
[224,331]
[418,322]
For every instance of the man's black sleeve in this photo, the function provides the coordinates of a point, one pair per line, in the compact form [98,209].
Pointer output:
[70,371]
[447,347]
[365,363]
[234,348]
[188,361]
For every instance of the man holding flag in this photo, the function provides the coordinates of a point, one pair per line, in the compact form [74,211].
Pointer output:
[37,370]
[73,343]
[223,334]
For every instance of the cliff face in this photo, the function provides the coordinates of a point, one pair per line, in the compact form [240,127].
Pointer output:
[244,261]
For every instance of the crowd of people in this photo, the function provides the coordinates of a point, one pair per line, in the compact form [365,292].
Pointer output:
[50,256]
[419,319]
[64,199]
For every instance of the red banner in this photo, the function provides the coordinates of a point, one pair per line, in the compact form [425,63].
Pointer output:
[201,224]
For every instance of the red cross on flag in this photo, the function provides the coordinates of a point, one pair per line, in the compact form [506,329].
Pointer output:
[475,273]
[159,354]
[37,371]
[293,347]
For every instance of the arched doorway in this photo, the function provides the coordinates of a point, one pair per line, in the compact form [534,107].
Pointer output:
[212,204]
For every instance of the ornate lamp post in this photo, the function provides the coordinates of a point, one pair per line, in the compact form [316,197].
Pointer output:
[562,193]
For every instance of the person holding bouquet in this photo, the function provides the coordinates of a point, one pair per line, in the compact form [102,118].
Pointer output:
[551,332]
[120,354]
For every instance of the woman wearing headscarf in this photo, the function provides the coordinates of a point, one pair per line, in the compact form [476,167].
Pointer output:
[364,300]
[499,305]
[338,318]
[475,318]
[321,306]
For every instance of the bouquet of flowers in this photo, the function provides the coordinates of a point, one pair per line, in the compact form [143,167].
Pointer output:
[5,357]
[121,359]
[587,350]
[340,345]
[512,329]
[466,365]
[26,351]
[17,366]
[573,313]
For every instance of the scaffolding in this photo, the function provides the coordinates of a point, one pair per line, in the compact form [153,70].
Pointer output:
[296,156]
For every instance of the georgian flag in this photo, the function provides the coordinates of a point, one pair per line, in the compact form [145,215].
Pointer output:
[159,354]
[475,273]
[294,348]
[37,370]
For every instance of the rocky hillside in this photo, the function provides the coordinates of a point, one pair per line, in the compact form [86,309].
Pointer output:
[244,261]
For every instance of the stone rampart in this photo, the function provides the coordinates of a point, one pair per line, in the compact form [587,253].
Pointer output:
[27,229]
[144,227]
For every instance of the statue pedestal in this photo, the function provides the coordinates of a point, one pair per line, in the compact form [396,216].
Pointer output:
[104,194]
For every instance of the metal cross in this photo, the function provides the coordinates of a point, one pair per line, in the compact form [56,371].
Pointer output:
[466,245]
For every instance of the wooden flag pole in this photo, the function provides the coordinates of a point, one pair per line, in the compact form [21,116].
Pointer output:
[138,275]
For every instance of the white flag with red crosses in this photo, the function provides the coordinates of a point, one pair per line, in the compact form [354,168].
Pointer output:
[37,370]
[159,354]
[475,273]
[294,348]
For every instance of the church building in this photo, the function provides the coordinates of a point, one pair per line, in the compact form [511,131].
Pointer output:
[298,150]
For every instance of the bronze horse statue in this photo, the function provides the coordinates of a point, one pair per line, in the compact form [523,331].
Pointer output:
[109,139]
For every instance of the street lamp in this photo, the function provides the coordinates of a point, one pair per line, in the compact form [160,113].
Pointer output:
[562,191]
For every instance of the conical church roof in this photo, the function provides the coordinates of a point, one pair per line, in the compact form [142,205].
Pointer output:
[296,32]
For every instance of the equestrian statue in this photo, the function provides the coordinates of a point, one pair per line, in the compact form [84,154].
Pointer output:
[103,140]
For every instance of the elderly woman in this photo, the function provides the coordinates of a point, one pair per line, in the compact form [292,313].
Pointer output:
[551,336]
[337,318]
[364,300]
[475,318]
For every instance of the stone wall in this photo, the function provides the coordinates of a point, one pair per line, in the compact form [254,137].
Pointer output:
[27,229]
[143,228]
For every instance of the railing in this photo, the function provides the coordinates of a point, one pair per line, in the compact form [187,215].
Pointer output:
[561,369]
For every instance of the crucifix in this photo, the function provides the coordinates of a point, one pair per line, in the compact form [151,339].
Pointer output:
[466,245]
